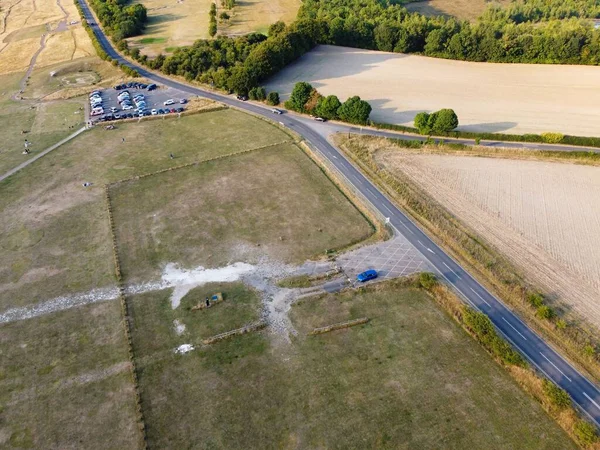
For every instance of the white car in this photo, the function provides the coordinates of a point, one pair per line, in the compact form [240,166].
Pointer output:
[169,102]
[127,107]
[97,111]
[276,111]
[113,109]
[154,112]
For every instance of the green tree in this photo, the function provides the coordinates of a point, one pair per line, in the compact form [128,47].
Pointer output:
[422,123]
[224,16]
[299,97]
[273,98]
[355,110]
[252,94]
[585,432]
[276,28]
[557,396]
[327,107]
[212,27]
[261,93]
[445,120]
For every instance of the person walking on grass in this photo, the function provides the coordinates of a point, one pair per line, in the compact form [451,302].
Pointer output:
[171,155]
[207,302]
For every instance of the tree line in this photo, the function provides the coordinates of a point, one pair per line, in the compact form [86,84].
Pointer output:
[119,20]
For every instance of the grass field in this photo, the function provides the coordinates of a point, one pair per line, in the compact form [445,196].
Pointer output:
[410,378]
[526,98]
[462,9]
[276,199]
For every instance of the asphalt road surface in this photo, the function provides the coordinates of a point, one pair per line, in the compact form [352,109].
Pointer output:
[583,392]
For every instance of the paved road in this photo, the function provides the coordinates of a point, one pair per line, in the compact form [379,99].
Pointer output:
[538,352]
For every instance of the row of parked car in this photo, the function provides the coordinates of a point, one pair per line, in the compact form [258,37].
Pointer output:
[96,104]
[135,85]
[132,115]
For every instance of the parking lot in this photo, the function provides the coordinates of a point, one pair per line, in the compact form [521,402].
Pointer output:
[154,100]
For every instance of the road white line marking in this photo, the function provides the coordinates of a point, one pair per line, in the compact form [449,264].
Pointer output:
[457,275]
[591,400]
[555,366]
[429,250]
[371,192]
[480,297]
[405,226]
[420,242]
[389,210]
[334,157]
[510,325]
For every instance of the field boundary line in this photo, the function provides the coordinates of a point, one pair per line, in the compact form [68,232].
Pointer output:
[126,321]
[195,163]
[43,153]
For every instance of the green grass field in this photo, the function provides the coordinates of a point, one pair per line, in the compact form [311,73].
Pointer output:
[274,200]
[411,378]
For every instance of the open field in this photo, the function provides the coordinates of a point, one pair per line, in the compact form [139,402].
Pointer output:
[274,202]
[65,383]
[172,23]
[176,23]
[542,215]
[45,212]
[461,9]
[525,98]
[410,378]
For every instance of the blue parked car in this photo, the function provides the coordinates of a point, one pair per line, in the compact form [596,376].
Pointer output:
[366,275]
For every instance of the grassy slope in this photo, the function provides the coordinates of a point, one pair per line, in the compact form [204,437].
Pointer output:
[408,379]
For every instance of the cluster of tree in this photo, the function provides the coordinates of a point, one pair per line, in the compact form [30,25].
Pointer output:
[306,99]
[439,122]
[120,21]
[212,24]
[539,10]
[240,64]
[497,36]
[229,4]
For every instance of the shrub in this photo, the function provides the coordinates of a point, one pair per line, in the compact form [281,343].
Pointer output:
[224,16]
[445,120]
[589,350]
[545,312]
[300,95]
[355,110]
[327,107]
[273,98]
[427,280]
[561,324]
[261,93]
[536,300]
[422,123]
[252,93]
[212,28]
[585,432]
[552,138]
[557,396]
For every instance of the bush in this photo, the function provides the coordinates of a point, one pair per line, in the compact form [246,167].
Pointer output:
[552,138]
[427,280]
[536,300]
[252,93]
[327,107]
[224,16]
[545,312]
[557,396]
[422,123]
[273,98]
[261,93]
[300,95]
[355,110]
[589,350]
[445,120]
[212,27]
[585,432]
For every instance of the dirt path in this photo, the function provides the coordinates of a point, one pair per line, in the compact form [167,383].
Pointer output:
[23,83]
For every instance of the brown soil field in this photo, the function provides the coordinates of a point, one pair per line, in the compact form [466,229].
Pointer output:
[544,216]
[257,15]
[510,98]
[461,9]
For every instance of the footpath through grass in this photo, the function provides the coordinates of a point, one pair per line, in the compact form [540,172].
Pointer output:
[410,378]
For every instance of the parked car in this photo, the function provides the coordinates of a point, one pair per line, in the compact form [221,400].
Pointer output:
[242,98]
[366,275]
[113,109]
[169,102]
[127,107]
[151,87]
[117,116]
[97,111]
[183,101]
[276,111]
[154,112]
[179,110]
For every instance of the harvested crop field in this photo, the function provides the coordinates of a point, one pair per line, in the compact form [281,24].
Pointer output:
[525,98]
[461,9]
[544,216]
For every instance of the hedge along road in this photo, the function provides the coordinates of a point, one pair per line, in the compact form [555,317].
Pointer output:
[583,392]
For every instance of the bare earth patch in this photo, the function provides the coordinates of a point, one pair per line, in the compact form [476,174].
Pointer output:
[545,216]
[526,98]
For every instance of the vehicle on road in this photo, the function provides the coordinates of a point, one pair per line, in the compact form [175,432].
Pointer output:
[320,119]
[276,111]
[366,276]
[242,98]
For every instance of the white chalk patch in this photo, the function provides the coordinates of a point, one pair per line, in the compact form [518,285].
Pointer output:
[184,348]
[185,280]
[179,327]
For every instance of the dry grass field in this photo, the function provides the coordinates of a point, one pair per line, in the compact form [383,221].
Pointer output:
[410,378]
[544,216]
[176,23]
[511,98]
[461,9]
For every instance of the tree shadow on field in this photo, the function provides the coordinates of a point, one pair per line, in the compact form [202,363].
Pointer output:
[155,24]
[327,62]
[391,114]
[490,127]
